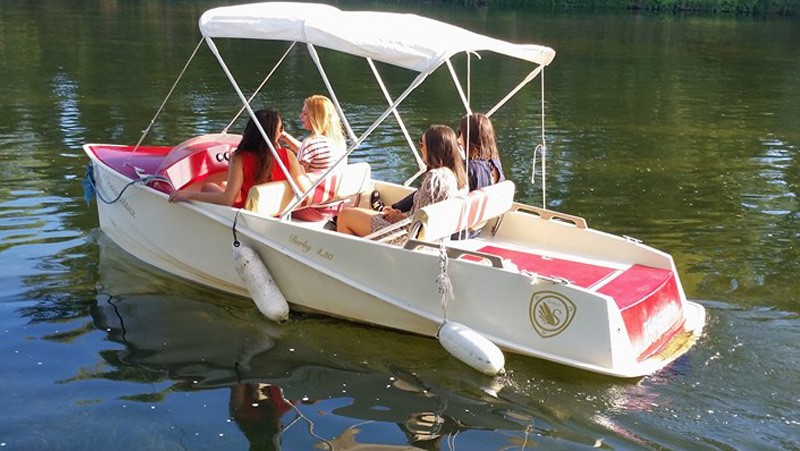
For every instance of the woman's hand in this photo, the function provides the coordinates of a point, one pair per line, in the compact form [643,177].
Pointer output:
[178,196]
[289,141]
[392,215]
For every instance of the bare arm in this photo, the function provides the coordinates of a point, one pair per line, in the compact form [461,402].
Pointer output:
[298,173]
[226,197]
[290,141]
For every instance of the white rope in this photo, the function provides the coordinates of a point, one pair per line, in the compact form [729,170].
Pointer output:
[543,151]
[169,94]
[443,282]
[258,89]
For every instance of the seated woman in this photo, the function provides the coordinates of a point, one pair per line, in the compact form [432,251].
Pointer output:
[251,164]
[483,165]
[443,179]
[477,134]
[324,146]
[325,142]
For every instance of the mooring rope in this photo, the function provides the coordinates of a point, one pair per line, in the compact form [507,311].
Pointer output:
[443,282]
[141,181]
[236,242]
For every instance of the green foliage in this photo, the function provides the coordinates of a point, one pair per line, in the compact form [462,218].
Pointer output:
[763,7]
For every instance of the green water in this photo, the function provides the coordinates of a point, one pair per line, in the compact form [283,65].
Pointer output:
[680,131]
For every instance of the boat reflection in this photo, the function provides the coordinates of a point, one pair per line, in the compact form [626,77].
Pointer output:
[314,380]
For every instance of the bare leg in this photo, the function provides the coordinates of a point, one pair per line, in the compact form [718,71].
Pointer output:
[355,221]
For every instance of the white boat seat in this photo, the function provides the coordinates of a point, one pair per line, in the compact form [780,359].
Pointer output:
[272,198]
[447,217]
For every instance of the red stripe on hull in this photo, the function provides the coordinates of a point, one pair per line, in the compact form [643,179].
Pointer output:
[650,305]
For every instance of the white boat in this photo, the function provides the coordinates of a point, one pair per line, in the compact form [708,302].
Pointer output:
[535,282]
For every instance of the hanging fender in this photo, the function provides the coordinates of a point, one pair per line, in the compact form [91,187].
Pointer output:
[472,348]
[259,282]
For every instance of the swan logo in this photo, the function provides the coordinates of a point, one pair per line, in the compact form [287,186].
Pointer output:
[550,313]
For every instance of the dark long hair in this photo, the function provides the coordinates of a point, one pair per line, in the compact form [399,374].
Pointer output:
[441,144]
[252,141]
[480,139]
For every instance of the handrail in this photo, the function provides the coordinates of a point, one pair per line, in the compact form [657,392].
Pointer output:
[550,215]
[494,260]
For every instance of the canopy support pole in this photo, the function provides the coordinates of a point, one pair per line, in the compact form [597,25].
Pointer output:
[258,89]
[457,83]
[252,114]
[514,91]
[542,147]
[169,94]
[315,57]
[420,163]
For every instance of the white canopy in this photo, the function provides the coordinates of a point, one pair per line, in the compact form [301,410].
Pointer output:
[404,40]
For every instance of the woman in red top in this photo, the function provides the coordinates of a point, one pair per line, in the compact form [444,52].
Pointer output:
[251,164]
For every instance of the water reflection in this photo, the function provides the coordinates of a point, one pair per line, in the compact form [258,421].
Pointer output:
[328,384]
[277,376]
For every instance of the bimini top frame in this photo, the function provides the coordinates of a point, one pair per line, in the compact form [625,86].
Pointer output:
[405,40]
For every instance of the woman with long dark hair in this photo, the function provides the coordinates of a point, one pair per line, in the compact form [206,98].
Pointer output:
[444,177]
[251,164]
[476,136]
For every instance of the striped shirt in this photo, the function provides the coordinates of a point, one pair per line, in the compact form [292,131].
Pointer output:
[319,153]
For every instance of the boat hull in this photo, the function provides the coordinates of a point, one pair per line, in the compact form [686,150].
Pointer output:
[388,286]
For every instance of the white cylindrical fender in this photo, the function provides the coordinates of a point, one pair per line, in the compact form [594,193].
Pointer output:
[259,282]
[472,348]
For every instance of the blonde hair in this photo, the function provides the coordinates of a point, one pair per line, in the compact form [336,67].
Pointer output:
[323,118]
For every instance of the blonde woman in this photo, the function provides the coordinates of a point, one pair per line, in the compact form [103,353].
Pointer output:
[325,142]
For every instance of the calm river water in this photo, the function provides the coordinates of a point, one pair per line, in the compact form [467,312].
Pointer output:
[681,131]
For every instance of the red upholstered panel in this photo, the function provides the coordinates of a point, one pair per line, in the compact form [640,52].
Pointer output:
[648,298]
[634,284]
[123,160]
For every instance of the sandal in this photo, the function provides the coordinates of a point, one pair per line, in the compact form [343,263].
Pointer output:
[375,201]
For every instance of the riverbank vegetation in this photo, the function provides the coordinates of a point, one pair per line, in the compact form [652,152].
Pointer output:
[755,7]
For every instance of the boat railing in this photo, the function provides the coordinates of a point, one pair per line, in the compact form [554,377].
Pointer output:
[550,215]
[456,253]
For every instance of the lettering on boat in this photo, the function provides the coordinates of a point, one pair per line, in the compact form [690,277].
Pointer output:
[327,255]
[656,325]
[550,313]
[109,185]
[302,244]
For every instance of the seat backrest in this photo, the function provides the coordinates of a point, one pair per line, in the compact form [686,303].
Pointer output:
[272,198]
[197,158]
[447,217]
